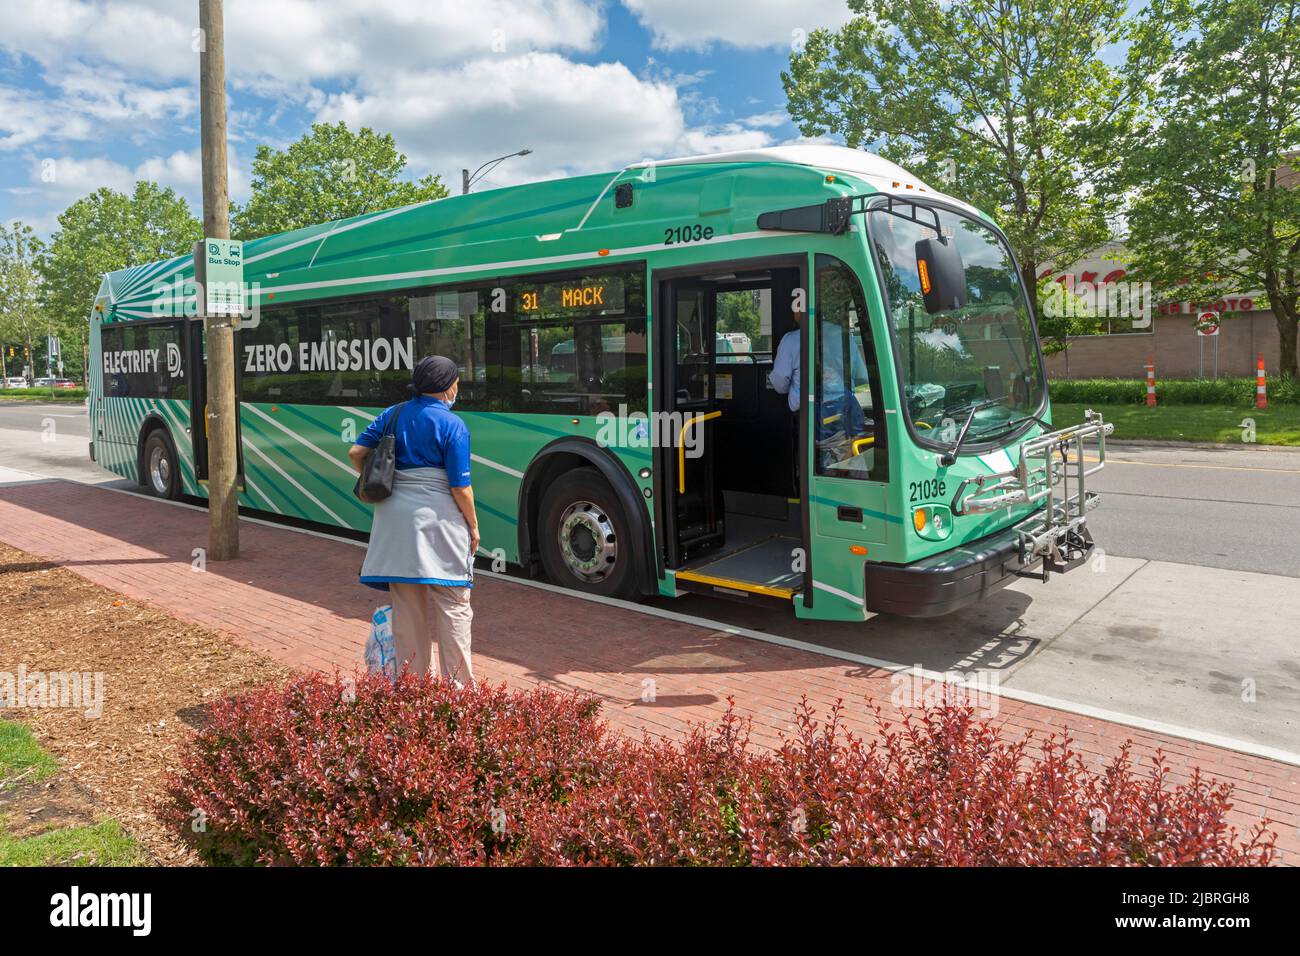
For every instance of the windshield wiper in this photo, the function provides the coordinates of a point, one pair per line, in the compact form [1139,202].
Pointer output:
[949,457]
[1015,423]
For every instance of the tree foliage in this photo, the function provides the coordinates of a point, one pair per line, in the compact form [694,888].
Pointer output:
[103,232]
[1213,162]
[330,173]
[21,317]
[1003,102]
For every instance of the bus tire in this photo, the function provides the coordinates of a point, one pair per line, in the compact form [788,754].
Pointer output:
[160,467]
[585,538]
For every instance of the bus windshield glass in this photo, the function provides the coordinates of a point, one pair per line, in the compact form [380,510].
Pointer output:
[977,356]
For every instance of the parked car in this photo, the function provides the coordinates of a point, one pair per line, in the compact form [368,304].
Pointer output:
[15,381]
[64,383]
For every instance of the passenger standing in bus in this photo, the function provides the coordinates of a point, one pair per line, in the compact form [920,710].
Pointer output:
[425,536]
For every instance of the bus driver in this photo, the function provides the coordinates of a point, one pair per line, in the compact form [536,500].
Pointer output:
[837,395]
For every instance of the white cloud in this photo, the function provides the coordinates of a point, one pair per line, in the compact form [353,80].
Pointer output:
[112,97]
[26,118]
[288,42]
[723,139]
[70,176]
[63,179]
[89,105]
[767,120]
[575,117]
[455,82]
[695,25]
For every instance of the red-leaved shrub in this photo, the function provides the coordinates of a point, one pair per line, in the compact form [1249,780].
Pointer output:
[362,771]
[330,771]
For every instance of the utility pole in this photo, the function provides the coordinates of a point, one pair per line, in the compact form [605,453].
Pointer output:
[223,450]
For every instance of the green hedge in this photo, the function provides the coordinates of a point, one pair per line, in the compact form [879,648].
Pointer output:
[1174,391]
[61,393]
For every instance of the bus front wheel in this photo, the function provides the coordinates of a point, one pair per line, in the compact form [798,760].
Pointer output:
[584,536]
[161,472]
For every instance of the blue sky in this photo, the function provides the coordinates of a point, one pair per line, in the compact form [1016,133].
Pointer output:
[104,92]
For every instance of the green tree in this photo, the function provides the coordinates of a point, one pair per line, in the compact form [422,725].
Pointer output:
[330,173]
[739,312]
[1002,102]
[1213,166]
[21,317]
[103,232]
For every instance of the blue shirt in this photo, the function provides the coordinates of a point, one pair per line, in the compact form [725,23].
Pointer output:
[785,367]
[428,436]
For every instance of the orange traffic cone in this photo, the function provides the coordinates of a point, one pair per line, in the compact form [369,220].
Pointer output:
[1261,390]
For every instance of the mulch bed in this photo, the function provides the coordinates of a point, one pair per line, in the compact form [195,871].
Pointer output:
[159,675]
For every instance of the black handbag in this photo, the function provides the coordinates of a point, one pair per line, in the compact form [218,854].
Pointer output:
[375,483]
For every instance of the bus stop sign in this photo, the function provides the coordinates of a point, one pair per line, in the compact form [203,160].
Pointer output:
[219,272]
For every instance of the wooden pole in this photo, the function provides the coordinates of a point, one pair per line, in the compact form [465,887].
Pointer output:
[223,452]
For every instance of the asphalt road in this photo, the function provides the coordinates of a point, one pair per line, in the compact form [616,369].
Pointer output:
[1235,508]
[1189,620]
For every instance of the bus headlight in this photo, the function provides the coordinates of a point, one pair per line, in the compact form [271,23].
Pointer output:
[932,522]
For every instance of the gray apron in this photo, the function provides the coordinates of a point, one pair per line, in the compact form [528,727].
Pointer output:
[419,535]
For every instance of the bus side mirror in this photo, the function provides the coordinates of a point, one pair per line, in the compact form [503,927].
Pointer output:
[943,277]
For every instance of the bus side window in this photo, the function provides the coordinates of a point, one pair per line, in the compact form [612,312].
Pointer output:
[849,423]
[146,360]
[454,323]
[570,344]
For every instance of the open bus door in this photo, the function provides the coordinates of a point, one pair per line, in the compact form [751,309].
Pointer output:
[729,507]
[688,403]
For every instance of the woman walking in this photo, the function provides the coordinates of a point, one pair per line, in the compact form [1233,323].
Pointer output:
[425,536]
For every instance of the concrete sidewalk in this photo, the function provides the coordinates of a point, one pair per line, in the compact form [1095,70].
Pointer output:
[295,597]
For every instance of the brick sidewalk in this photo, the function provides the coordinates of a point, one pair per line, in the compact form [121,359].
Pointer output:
[296,598]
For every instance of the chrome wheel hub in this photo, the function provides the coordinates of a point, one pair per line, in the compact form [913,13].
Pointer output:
[160,470]
[587,541]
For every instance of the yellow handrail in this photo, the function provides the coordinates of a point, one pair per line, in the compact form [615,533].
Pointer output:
[681,447]
[861,443]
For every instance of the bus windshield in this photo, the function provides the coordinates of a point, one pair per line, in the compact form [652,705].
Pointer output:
[978,357]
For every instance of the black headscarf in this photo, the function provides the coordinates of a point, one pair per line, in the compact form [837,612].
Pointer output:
[434,374]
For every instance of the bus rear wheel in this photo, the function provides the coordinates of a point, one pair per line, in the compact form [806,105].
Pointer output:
[161,471]
[584,536]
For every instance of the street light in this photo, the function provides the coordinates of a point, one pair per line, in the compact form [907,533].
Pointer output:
[467,180]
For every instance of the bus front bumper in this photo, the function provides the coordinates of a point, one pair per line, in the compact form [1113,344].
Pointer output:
[954,579]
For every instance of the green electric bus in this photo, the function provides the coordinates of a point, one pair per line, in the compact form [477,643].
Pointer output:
[637,426]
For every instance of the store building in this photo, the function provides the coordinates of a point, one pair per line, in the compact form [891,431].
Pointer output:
[1146,326]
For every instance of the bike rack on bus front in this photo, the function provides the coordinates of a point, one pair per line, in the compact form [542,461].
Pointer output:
[1057,533]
